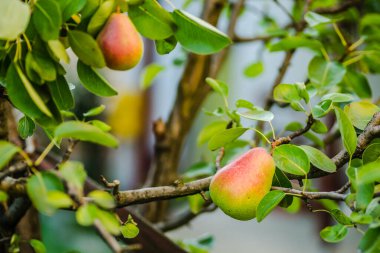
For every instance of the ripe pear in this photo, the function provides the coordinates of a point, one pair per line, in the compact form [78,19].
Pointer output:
[120,42]
[238,188]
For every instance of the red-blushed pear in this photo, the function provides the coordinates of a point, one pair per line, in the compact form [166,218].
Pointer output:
[120,43]
[238,188]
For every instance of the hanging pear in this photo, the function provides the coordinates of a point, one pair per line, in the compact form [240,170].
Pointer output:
[238,188]
[121,44]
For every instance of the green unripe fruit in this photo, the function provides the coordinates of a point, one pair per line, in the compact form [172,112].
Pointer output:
[238,188]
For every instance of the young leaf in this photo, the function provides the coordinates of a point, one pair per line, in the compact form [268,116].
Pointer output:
[94,111]
[371,153]
[340,217]
[61,94]
[222,138]
[197,36]
[149,74]
[59,50]
[101,125]
[93,81]
[361,112]
[71,8]
[58,199]
[315,19]
[347,131]
[286,93]
[319,159]
[325,74]
[14,18]
[25,127]
[369,173]
[37,246]
[319,127]
[218,86]
[210,130]
[257,114]
[7,151]
[165,46]
[334,234]
[74,173]
[100,17]
[47,17]
[291,43]
[86,214]
[129,230]
[268,203]
[102,199]
[108,220]
[338,97]
[254,69]
[90,54]
[322,108]
[151,20]
[291,159]
[85,132]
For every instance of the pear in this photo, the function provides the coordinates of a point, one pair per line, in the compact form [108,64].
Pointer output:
[120,42]
[238,188]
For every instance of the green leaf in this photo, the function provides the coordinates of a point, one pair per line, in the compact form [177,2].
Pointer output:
[197,36]
[291,43]
[37,64]
[93,81]
[101,125]
[315,19]
[198,170]
[338,97]
[7,151]
[74,174]
[14,18]
[32,92]
[322,108]
[358,83]
[94,111]
[3,196]
[364,195]
[257,114]
[371,153]
[59,50]
[361,112]
[100,17]
[85,132]
[196,203]
[129,230]
[149,73]
[165,46]
[207,132]
[369,172]
[370,242]
[37,246]
[334,234]
[325,74]
[347,131]
[360,218]
[25,127]
[319,127]
[254,69]
[268,203]
[340,217]
[61,94]
[47,17]
[59,199]
[86,214]
[319,159]
[224,137]
[281,180]
[38,186]
[108,220]
[102,199]
[90,54]
[291,159]
[286,93]
[71,8]
[151,20]
[90,8]
[218,86]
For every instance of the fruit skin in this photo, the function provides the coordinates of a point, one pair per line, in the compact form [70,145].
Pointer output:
[120,43]
[238,188]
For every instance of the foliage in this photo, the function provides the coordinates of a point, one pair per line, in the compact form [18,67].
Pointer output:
[35,36]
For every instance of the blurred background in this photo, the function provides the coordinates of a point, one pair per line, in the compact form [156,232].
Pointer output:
[132,112]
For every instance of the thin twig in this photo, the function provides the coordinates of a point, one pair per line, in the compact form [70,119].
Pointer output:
[219,158]
[344,188]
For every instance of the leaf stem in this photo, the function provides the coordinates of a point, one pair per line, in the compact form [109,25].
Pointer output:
[340,35]
[45,152]
[257,131]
